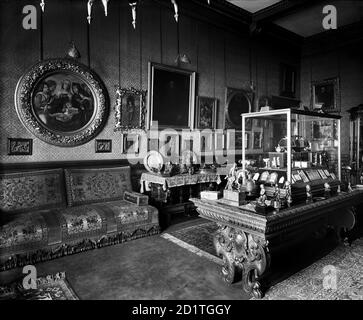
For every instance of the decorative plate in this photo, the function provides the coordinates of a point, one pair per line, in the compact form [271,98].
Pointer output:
[154,162]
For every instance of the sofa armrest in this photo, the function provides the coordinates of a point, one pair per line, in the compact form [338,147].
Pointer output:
[136,198]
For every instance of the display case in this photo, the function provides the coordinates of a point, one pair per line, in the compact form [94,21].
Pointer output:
[356,144]
[291,145]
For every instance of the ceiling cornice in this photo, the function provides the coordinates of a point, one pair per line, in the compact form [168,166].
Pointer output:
[281,9]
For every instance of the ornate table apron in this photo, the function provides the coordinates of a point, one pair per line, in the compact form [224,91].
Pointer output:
[246,240]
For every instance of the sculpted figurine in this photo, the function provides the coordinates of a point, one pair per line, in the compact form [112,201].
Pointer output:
[262,199]
[231,178]
[277,199]
[288,193]
[327,190]
[309,195]
[361,178]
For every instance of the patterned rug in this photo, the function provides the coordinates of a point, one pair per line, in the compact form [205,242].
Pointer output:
[336,276]
[52,287]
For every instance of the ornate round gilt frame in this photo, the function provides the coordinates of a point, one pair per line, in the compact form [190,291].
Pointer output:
[25,110]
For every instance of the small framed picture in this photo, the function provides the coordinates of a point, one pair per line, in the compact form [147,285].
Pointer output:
[20,147]
[272,178]
[303,176]
[130,143]
[264,176]
[206,113]
[170,145]
[257,140]
[103,146]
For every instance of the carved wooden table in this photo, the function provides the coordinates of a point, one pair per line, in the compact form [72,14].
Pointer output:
[247,240]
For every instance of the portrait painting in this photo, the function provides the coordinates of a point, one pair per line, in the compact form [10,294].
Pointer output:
[62,102]
[130,109]
[287,80]
[326,95]
[171,97]
[17,146]
[206,117]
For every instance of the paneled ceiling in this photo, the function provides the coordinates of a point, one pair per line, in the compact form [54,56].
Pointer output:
[308,21]
[253,5]
[304,18]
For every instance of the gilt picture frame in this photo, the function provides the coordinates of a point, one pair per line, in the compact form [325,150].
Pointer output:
[206,113]
[238,101]
[20,147]
[103,145]
[62,102]
[130,143]
[130,109]
[325,95]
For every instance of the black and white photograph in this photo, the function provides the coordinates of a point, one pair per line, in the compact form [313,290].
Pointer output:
[178,157]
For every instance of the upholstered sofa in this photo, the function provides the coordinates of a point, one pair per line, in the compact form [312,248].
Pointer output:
[46,214]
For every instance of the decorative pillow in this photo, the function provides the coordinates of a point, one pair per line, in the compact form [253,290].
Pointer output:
[83,219]
[97,185]
[126,212]
[23,230]
[34,190]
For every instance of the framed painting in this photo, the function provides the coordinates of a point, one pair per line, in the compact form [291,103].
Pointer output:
[20,147]
[130,109]
[62,102]
[238,101]
[206,113]
[326,95]
[171,97]
[130,143]
[103,146]
[170,144]
[257,140]
[287,80]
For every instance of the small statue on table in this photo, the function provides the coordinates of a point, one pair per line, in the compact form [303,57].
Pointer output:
[277,198]
[232,178]
[327,190]
[288,196]
[261,205]
[309,195]
[361,178]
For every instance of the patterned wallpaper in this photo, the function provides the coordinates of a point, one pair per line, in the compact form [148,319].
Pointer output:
[120,54]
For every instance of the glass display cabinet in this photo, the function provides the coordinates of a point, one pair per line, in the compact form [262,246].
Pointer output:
[291,145]
[356,143]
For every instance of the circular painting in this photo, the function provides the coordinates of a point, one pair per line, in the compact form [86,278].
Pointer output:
[61,102]
[237,103]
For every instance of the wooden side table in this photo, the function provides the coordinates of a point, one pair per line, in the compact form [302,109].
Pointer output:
[171,194]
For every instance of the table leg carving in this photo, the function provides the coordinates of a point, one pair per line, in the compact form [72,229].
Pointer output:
[245,254]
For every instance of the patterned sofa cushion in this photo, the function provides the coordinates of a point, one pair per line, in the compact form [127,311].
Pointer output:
[83,219]
[34,190]
[23,231]
[96,185]
[128,213]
